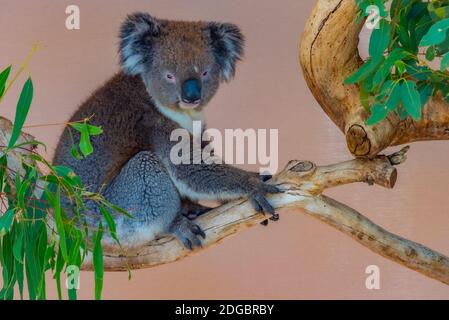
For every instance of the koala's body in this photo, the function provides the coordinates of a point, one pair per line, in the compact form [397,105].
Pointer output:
[171,69]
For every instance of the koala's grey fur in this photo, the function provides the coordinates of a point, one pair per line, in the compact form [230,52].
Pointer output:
[138,109]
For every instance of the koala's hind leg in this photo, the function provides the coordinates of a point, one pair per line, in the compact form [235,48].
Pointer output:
[144,189]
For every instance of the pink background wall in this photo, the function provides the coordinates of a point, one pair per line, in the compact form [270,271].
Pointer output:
[298,257]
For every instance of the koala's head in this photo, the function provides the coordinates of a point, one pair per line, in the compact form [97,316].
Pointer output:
[181,63]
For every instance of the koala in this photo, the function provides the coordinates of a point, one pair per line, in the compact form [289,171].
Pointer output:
[170,71]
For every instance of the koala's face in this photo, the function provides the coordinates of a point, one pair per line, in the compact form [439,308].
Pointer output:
[181,63]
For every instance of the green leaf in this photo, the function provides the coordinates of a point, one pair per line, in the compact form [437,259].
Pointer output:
[380,38]
[31,268]
[94,130]
[6,222]
[7,263]
[430,53]
[436,34]
[86,131]
[378,113]
[395,97]
[23,106]
[57,212]
[444,62]
[402,113]
[425,92]
[364,71]
[3,166]
[41,249]
[111,223]
[85,145]
[385,68]
[3,78]
[18,244]
[77,236]
[385,90]
[68,174]
[50,255]
[75,153]
[118,209]
[400,67]
[442,12]
[78,126]
[57,274]
[418,72]
[411,99]
[422,27]
[98,262]
[22,193]
[20,277]
[381,6]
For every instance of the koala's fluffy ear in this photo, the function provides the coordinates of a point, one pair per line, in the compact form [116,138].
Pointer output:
[227,43]
[137,36]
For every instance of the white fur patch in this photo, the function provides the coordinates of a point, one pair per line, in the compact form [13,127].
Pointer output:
[181,118]
[141,234]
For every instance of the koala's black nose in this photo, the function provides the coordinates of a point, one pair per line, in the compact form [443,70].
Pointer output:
[191,91]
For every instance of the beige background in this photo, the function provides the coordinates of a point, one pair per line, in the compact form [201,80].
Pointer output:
[295,258]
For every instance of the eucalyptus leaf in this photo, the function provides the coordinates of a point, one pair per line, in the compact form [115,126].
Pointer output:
[3,78]
[378,113]
[365,70]
[395,97]
[23,106]
[110,222]
[436,34]
[57,212]
[85,144]
[6,221]
[444,62]
[430,53]
[98,262]
[380,38]
[411,99]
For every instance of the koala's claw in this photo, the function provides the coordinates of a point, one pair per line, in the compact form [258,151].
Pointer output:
[275,217]
[198,231]
[188,232]
[261,204]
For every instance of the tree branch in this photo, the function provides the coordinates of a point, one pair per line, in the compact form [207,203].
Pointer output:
[302,183]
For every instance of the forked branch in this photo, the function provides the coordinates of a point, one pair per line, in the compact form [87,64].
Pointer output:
[329,54]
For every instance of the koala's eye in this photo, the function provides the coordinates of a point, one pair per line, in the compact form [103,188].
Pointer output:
[170,77]
[205,74]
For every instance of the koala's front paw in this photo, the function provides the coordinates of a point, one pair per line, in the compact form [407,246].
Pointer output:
[188,232]
[257,197]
